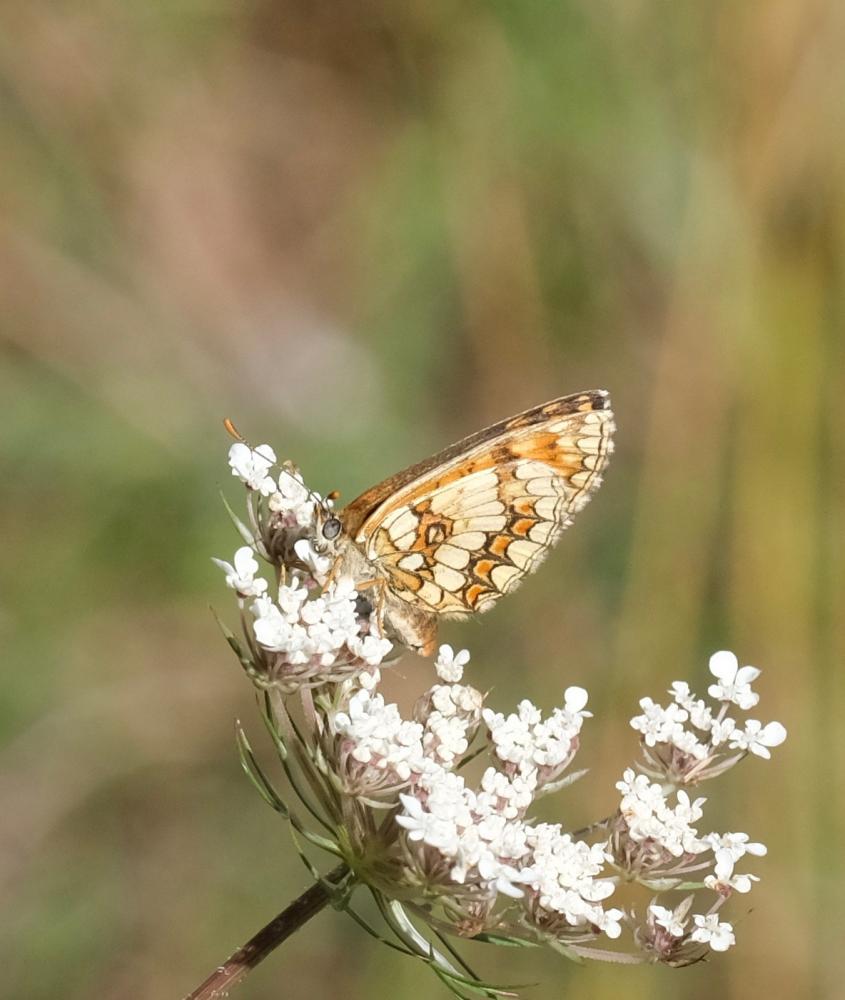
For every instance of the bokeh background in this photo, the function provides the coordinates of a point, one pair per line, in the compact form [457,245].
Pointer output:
[362,230]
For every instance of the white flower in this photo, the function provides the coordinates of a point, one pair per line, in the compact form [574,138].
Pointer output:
[574,702]
[530,742]
[700,714]
[667,919]
[723,877]
[687,742]
[503,796]
[445,738]
[456,699]
[734,681]
[708,930]
[681,694]
[251,466]
[372,649]
[369,681]
[734,846]
[445,815]
[649,817]
[657,723]
[272,629]
[450,665]
[512,735]
[241,576]
[742,883]
[721,731]
[291,598]
[436,831]
[293,498]
[563,875]
[379,736]
[638,790]
[758,738]
[318,563]
[607,921]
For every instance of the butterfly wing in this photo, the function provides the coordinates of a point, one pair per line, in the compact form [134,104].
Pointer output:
[454,533]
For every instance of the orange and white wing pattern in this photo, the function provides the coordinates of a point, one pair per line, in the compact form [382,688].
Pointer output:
[454,533]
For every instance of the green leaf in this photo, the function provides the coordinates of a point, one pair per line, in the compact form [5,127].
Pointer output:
[272,729]
[375,934]
[447,982]
[310,773]
[441,937]
[230,637]
[242,529]
[477,986]
[257,776]
[398,920]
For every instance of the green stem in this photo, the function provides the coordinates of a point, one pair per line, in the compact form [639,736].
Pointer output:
[280,928]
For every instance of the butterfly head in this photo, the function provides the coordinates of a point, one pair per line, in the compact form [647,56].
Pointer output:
[328,530]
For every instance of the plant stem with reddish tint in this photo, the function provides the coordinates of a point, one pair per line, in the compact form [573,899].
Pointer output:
[280,928]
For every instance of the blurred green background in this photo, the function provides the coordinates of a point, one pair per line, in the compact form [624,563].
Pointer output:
[362,230]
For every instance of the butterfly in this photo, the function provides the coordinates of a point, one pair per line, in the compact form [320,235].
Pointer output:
[449,536]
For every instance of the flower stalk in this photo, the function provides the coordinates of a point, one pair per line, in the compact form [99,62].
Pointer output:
[280,928]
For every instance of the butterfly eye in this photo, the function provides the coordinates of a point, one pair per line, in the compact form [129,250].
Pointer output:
[331,529]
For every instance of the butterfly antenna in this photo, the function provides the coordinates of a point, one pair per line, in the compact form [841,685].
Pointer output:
[233,431]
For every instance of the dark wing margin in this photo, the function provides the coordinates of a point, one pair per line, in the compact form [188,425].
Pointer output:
[357,512]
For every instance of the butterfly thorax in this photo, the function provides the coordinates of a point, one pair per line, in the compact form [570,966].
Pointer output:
[413,626]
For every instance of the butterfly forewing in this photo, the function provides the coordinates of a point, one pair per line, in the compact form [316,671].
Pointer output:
[454,533]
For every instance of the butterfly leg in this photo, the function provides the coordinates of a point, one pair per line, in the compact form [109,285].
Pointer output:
[379,602]
[414,628]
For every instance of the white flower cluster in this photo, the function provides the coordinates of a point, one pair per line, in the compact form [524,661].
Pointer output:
[286,495]
[468,829]
[252,466]
[321,630]
[380,751]
[563,874]
[400,803]
[476,840]
[692,754]
[294,638]
[658,839]
[485,842]
[297,639]
[728,848]
[671,927]
[651,818]
[654,835]
[532,746]
[450,712]
[387,749]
